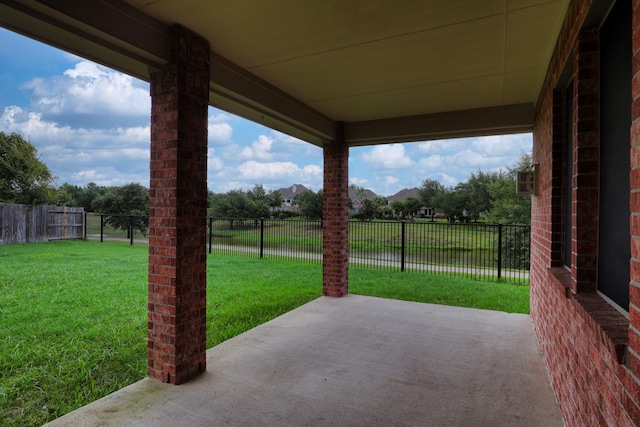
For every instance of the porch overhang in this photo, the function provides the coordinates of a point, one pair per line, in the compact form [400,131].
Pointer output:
[390,72]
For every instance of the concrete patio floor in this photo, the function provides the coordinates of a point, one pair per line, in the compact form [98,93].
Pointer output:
[354,361]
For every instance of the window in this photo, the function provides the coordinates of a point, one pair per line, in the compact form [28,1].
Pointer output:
[614,249]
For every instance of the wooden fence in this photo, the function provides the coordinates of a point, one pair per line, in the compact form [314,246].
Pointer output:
[30,224]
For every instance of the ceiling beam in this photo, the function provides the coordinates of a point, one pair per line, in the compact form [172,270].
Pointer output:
[455,124]
[108,32]
[236,90]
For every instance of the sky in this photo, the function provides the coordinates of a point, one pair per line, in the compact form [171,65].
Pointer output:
[91,124]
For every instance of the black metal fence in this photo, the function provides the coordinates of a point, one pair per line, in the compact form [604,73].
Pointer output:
[477,250]
[128,228]
[483,251]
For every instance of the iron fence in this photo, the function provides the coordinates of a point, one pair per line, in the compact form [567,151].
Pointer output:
[125,228]
[477,250]
[483,251]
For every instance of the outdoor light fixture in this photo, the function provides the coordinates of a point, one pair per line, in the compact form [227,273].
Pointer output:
[527,181]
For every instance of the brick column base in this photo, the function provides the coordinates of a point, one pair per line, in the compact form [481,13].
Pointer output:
[335,220]
[177,211]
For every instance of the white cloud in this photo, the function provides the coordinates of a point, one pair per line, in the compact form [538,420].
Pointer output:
[358,182]
[390,156]
[474,159]
[442,145]
[432,162]
[277,170]
[219,131]
[91,96]
[506,145]
[260,149]
[108,176]
[448,180]
[79,155]
[213,163]
[392,180]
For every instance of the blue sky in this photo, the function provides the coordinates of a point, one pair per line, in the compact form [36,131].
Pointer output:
[91,124]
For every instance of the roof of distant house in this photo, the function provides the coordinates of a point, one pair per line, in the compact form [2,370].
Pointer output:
[368,194]
[291,192]
[403,194]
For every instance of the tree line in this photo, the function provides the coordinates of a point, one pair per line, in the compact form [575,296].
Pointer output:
[487,195]
[25,179]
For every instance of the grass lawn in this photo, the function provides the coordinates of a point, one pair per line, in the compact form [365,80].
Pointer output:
[73,314]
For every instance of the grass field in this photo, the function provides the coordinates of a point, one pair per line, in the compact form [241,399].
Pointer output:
[73,314]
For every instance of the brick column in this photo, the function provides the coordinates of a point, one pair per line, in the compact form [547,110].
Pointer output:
[634,198]
[586,162]
[335,219]
[177,211]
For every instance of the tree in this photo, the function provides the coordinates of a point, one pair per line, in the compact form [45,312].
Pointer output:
[382,209]
[74,195]
[24,178]
[452,202]
[430,188]
[233,205]
[259,197]
[367,210]
[274,199]
[507,206]
[67,195]
[398,208]
[264,200]
[310,204]
[122,202]
[240,205]
[479,198]
[412,205]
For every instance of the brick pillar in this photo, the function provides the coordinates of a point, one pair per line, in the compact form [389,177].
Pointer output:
[335,219]
[634,286]
[177,211]
[586,162]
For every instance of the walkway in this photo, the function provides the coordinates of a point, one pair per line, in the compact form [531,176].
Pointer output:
[354,361]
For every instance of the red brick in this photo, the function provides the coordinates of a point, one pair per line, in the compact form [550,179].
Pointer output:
[177,259]
[335,229]
[580,351]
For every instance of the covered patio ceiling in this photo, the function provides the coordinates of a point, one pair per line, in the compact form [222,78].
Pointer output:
[374,71]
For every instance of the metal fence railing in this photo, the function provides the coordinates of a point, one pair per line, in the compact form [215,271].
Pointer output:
[487,251]
[477,250]
[127,228]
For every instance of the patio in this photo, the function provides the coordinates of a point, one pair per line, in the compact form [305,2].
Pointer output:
[354,361]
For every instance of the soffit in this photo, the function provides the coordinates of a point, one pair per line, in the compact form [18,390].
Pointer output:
[305,66]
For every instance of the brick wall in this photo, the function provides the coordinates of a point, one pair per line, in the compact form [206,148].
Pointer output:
[177,213]
[335,221]
[634,286]
[591,350]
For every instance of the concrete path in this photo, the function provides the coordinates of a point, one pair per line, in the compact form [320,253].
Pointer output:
[354,361]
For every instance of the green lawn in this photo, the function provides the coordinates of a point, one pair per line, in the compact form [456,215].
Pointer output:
[73,314]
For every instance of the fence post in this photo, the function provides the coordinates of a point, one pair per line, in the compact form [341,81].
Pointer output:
[101,227]
[210,232]
[131,230]
[499,251]
[261,237]
[403,245]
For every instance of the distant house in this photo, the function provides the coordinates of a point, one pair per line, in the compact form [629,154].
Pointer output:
[356,199]
[288,195]
[403,194]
